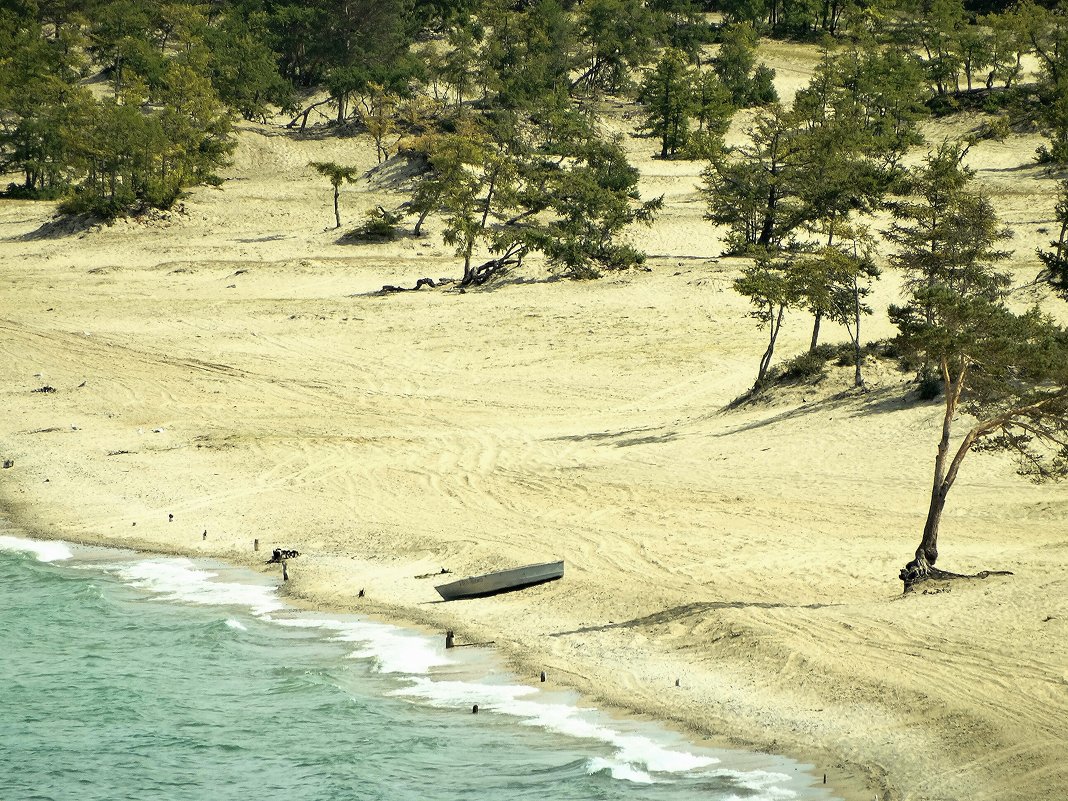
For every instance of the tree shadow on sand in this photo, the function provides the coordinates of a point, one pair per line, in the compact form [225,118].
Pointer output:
[853,402]
[685,611]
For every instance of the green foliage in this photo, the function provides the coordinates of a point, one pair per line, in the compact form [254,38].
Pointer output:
[1008,372]
[337,174]
[528,55]
[683,24]
[515,184]
[797,18]
[878,92]
[379,225]
[616,36]
[745,187]
[937,30]
[458,67]
[354,44]
[673,93]
[945,233]
[121,39]
[669,96]
[749,84]
[161,128]
[771,288]
[244,71]
[1055,262]
[808,365]
[40,105]
[929,387]
[831,283]
[593,197]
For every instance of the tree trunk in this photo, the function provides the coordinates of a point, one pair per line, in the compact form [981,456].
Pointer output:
[858,360]
[815,332]
[858,357]
[419,222]
[773,334]
[337,211]
[469,274]
[927,552]
[767,229]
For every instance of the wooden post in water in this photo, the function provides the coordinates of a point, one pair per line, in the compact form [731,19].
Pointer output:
[450,643]
[285,572]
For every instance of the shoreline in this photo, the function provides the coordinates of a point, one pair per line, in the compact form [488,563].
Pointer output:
[848,781]
[487,663]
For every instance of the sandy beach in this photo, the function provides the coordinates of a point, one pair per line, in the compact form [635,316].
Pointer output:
[234,366]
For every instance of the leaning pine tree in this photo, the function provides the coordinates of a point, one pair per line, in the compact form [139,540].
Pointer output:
[1006,374]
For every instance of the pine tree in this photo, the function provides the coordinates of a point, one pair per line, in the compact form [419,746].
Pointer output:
[337,175]
[1007,373]
[668,94]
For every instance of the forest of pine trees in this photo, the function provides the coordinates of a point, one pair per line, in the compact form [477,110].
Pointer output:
[113,105]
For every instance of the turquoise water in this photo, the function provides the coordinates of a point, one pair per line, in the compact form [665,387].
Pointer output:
[130,677]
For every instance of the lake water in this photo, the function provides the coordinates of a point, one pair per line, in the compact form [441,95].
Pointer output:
[127,676]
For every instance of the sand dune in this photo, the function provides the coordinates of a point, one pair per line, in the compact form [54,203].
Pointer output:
[233,367]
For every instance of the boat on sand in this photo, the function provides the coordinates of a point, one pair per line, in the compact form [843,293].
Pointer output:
[515,578]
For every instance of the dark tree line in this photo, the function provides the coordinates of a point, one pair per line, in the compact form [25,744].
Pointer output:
[186,67]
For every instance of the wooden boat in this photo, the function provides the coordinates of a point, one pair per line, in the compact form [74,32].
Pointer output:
[501,581]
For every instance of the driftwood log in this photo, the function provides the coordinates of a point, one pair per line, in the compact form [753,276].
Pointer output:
[422,282]
[476,277]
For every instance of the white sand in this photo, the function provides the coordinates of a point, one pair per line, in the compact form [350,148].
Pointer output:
[239,375]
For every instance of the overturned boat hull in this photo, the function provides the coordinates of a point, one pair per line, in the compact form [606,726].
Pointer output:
[501,581]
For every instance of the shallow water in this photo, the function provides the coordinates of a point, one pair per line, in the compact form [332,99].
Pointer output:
[128,676]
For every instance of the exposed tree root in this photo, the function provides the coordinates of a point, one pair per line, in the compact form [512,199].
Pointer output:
[913,574]
[487,270]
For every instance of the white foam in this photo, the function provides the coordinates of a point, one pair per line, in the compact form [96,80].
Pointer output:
[44,550]
[179,580]
[762,785]
[619,770]
[445,694]
[636,756]
[391,649]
